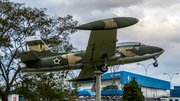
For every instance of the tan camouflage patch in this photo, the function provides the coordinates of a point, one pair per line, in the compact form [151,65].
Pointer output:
[127,51]
[37,48]
[110,23]
[71,58]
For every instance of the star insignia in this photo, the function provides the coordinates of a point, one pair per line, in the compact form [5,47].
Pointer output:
[56,61]
[137,48]
[118,49]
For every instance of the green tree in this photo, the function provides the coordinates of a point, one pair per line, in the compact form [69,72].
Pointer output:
[132,91]
[46,86]
[18,22]
[110,87]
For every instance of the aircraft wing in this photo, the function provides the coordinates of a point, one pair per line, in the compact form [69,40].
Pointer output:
[85,74]
[100,42]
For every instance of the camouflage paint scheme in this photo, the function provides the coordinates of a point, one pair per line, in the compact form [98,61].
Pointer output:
[102,42]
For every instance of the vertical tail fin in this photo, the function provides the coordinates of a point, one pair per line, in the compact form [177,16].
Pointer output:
[38,46]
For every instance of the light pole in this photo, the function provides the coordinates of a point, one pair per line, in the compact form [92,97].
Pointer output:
[146,68]
[170,81]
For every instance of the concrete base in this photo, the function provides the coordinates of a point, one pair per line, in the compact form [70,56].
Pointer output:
[98,85]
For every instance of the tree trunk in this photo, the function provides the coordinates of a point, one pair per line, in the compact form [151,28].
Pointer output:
[4,97]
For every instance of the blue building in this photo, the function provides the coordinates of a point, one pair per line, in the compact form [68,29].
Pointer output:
[155,87]
[175,92]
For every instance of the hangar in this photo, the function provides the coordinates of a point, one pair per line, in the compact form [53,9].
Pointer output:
[155,87]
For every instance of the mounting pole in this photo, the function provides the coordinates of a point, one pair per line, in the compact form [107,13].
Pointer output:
[98,84]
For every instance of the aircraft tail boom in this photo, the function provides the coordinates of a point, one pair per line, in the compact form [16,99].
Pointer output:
[28,56]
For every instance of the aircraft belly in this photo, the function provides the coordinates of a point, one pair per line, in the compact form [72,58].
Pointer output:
[44,69]
[56,68]
[126,60]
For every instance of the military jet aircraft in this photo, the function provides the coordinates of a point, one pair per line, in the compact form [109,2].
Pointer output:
[102,51]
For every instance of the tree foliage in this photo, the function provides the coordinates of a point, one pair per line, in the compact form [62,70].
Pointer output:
[110,87]
[18,22]
[46,87]
[132,91]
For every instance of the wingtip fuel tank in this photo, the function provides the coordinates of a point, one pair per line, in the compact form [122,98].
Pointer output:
[110,23]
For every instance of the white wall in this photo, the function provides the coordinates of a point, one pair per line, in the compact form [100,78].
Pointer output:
[13,97]
[153,93]
[86,85]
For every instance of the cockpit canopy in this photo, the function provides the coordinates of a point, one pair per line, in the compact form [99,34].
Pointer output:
[129,44]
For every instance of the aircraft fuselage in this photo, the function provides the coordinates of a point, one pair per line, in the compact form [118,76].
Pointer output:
[70,61]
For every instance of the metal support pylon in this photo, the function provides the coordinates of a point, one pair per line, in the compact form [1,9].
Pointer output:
[98,85]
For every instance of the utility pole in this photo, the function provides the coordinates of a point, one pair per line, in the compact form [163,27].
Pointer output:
[146,68]
[170,81]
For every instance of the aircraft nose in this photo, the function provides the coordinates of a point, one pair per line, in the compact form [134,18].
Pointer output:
[157,49]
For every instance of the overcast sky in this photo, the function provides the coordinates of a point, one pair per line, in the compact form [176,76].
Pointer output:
[159,25]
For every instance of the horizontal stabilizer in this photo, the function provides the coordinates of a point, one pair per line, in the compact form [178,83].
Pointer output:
[28,56]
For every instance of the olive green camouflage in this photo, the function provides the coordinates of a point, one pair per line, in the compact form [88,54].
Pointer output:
[102,51]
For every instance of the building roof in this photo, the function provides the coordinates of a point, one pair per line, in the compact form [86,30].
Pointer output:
[125,77]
